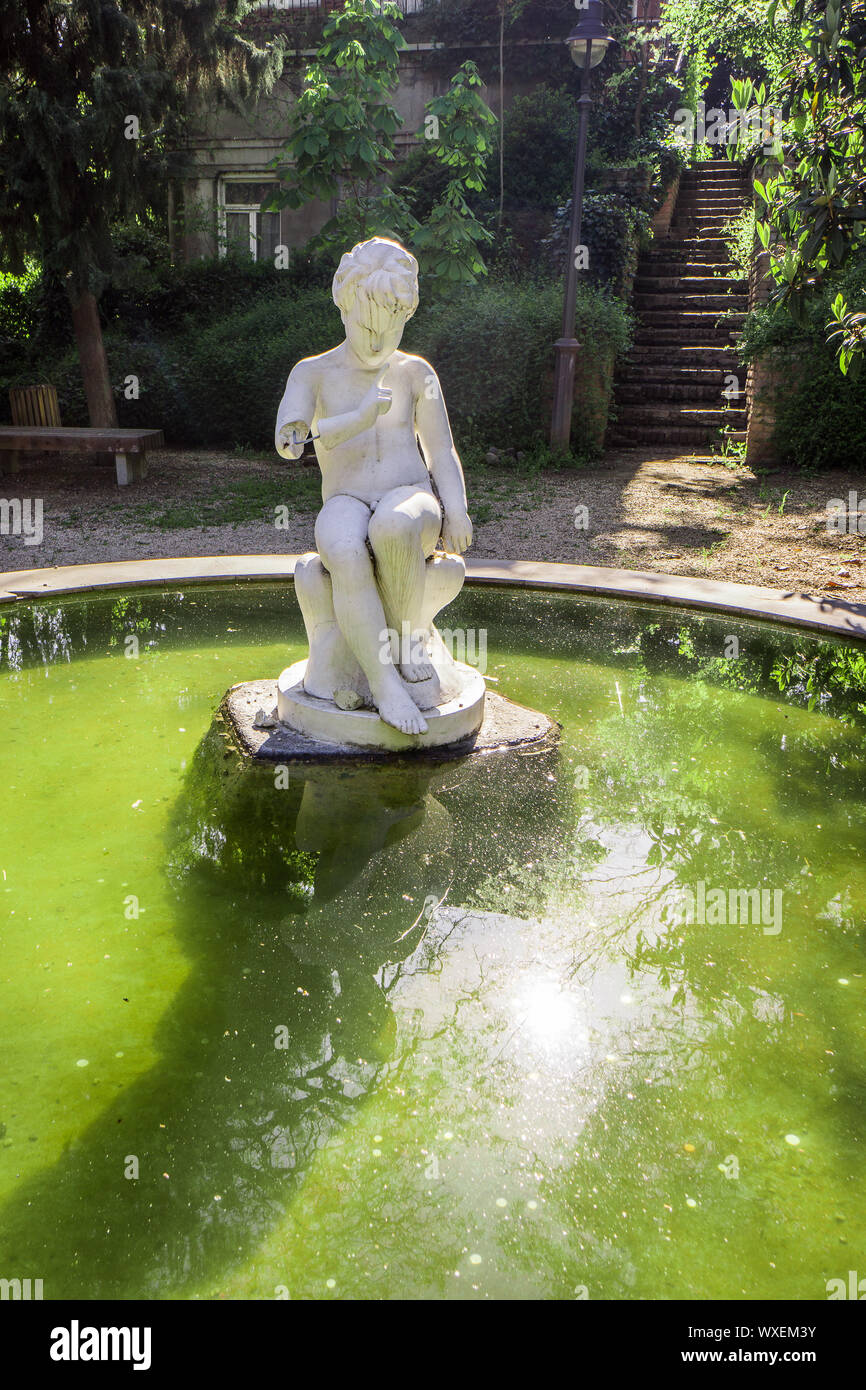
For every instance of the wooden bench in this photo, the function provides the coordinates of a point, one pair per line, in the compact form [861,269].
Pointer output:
[130,447]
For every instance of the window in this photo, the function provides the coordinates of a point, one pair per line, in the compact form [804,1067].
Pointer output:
[244,229]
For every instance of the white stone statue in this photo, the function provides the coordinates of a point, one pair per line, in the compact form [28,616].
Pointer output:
[385,450]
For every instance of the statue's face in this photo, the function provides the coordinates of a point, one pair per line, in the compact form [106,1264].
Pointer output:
[372,332]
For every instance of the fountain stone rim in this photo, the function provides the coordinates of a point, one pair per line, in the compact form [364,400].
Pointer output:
[832,617]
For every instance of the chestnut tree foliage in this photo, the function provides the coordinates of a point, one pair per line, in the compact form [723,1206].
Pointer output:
[341,146]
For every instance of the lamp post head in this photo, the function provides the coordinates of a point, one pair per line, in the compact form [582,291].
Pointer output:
[590,28]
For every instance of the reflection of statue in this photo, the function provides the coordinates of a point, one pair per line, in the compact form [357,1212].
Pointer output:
[295,907]
[370,594]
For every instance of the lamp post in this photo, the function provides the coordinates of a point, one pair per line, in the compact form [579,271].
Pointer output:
[588,42]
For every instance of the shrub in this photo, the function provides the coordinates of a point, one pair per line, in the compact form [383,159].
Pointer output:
[612,228]
[235,370]
[833,435]
[493,352]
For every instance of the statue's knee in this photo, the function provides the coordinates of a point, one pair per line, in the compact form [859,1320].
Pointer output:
[346,556]
[391,527]
[309,570]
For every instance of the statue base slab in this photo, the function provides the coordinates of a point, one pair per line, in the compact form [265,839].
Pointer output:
[503,726]
[453,720]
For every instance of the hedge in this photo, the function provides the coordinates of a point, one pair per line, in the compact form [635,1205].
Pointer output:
[217,382]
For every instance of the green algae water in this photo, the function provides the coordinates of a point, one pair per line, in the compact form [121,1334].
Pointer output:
[583,1022]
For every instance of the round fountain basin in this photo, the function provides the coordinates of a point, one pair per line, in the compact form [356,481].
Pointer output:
[583,1022]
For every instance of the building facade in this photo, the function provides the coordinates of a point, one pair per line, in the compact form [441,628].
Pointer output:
[216,202]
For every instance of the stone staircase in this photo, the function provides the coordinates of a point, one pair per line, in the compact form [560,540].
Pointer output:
[668,393]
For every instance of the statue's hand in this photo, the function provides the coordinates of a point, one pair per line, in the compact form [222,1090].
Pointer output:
[376,402]
[293,435]
[457,532]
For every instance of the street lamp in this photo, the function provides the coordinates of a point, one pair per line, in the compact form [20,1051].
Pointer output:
[588,42]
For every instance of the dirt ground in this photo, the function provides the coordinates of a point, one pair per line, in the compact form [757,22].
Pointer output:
[649,510]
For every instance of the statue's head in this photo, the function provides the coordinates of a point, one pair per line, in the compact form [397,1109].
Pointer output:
[376,290]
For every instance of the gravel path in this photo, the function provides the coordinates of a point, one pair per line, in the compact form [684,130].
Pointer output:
[645,509]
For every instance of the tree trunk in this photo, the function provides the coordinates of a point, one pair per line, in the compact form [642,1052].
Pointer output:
[644,74]
[94,363]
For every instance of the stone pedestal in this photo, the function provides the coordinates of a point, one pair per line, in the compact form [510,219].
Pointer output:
[503,727]
[457,714]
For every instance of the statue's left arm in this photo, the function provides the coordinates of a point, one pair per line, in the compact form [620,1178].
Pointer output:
[296,411]
[434,435]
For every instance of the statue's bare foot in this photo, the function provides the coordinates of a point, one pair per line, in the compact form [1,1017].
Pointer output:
[414,671]
[398,709]
[419,667]
[425,693]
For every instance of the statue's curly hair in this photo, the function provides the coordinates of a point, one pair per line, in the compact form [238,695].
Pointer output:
[369,271]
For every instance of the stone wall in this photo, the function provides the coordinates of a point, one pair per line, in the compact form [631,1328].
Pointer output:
[661,222]
[763,379]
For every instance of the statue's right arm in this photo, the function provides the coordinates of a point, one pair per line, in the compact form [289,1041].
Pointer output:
[339,429]
[296,412]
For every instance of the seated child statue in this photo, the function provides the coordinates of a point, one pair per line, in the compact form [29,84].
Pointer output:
[392,485]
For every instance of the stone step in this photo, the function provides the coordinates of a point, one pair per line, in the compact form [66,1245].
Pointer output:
[636,391]
[726,206]
[728,188]
[697,228]
[690,241]
[671,349]
[680,268]
[669,338]
[702,202]
[713,168]
[719,356]
[676,338]
[694,205]
[695,220]
[655,300]
[714,187]
[686,221]
[686,216]
[668,367]
[662,413]
[637,436]
[718,189]
[690,319]
[689,248]
[685,437]
[662,373]
[694,247]
[686,285]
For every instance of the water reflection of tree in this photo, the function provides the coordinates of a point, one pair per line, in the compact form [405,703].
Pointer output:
[296,908]
[43,633]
